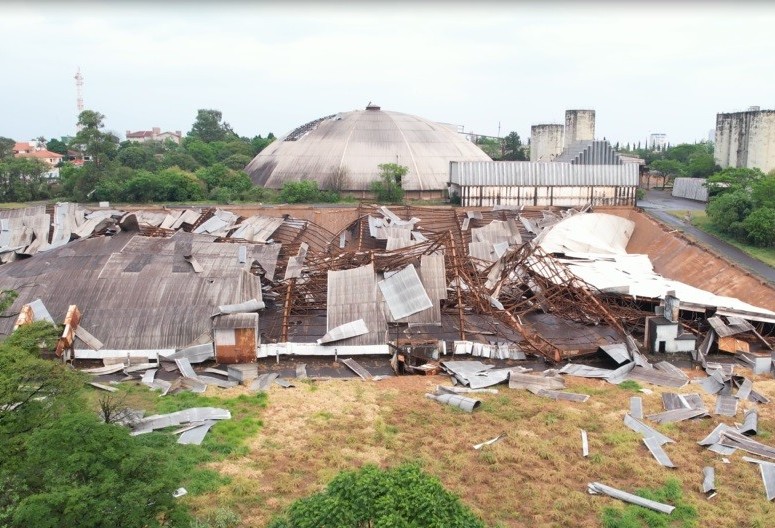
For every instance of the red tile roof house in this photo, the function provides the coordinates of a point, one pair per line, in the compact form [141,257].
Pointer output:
[52,159]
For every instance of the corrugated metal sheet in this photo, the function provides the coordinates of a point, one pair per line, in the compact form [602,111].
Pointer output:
[528,174]
[359,141]
[351,329]
[726,405]
[404,293]
[352,295]
[591,152]
[690,188]
[655,447]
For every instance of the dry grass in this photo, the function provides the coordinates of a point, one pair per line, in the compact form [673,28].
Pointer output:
[536,476]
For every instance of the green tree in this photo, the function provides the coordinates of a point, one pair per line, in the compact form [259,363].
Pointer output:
[728,211]
[202,152]
[232,148]
[258,143]
[668,168]
[515,151]
[22,179]
[80,472]
[208,127]
[221,176]
[137,157]
[401,497]
[763,191]
[179,159]
[92,140]
[733,179]
[237,161]
[6,147]
[701,166]
[759,227]
[491,146]
[57,146]
[389,186]
[303,191]
[33,391]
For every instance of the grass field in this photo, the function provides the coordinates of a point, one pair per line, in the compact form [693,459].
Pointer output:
[299,438]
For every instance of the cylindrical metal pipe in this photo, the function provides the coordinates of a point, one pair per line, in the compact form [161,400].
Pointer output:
[467,404]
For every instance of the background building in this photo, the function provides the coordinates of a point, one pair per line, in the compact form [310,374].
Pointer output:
[155,134]
[549,141]
[657,141]
[746,139]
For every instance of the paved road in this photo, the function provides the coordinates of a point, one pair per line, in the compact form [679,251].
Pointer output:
[659,203]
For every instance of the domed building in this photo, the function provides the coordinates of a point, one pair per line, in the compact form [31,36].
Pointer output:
[344,150]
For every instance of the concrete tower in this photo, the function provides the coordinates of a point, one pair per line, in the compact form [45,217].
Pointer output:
[579,126]
[546,142]
[746,139]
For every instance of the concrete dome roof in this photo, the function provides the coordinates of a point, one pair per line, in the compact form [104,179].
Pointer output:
[359,141]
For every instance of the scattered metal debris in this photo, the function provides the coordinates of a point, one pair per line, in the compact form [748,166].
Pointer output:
[636,407]
[301,371]
[102,386]
[655,447]
[732,438]
[179,492]
[357,368]
[518,380]
[463,390]
[645,430]
[559,395]
[284,383]
[263,382]
[598,488]
[708,482]
[750,423]
[467,404]
[768,475]
[197,434]
[490,442]
[584,444]
[726,405]
[195,414]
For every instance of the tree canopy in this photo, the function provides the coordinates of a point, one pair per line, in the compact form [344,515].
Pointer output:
[389,188]
[401,497]
[208,127]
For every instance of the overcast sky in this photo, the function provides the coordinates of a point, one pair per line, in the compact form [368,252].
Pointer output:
[648,67]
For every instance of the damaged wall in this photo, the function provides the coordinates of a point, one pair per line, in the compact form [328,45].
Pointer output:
[677,257]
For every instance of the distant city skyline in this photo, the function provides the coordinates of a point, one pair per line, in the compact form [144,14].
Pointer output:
[271,67]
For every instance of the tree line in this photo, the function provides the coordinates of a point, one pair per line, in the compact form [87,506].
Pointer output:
[206,165]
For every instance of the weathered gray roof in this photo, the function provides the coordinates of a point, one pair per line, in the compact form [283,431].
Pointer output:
[359,141]
[526,173]
[134,292]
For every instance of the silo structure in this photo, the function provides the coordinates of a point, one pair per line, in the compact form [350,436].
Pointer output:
[579,126]
[546,142]
[746,139]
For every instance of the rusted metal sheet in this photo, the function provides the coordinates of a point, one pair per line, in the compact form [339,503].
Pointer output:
[733,345]
[72,318]
[235,338]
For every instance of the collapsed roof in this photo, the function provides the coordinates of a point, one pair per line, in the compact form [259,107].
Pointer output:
[501,281]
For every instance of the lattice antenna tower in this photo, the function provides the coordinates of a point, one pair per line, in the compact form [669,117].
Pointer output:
[79,92]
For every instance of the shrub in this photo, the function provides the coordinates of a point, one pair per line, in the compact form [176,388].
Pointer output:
[401,497]
[389,187]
